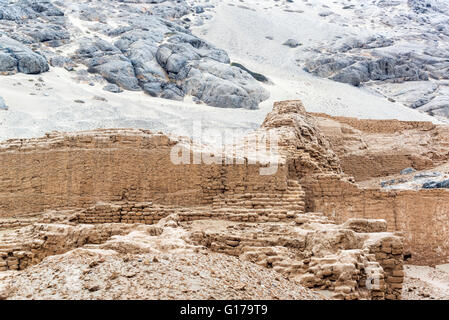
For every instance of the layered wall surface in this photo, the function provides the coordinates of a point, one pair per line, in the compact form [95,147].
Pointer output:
[80,169]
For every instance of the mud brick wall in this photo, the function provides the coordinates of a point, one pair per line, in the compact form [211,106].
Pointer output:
[145,213]
[364,167]
[15,223]
[379,126]
[389,254]
[367,148]
[149,213]
[78,170]
[422,216]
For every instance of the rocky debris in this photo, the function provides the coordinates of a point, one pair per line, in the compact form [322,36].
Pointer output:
[387,56]
[105,274]
[292,43]
[425,283]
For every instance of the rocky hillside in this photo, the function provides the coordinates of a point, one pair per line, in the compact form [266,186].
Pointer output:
[133,45]
[398,48]
[395,48]
[164,65]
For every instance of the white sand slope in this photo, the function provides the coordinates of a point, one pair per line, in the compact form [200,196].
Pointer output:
[34,111]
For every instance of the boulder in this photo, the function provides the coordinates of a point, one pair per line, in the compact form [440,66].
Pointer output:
[436,184]
[222,86]
[53,35]
[3,105]
[62,62]
[118,72]
[112,88]
[407,170]
[107,60]
[292,43]
[16,57]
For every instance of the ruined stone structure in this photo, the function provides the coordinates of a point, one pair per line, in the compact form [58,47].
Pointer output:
[377,148]
[355,260]
[80,169]
[422,216]
[126,176]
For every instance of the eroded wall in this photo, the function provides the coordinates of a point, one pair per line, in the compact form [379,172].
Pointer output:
[78,170]
[378,148]
[422,216]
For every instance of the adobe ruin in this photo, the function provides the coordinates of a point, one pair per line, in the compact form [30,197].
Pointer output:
[311,220]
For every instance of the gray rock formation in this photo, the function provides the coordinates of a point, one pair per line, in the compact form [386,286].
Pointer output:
[220,85]
[436,185]
[292,43]
[150,48]
[15,57]
[403,56]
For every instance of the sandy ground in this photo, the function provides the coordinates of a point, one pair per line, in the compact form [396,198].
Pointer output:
[425,283]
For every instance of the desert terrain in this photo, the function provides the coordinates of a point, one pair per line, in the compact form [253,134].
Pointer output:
[95,96]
